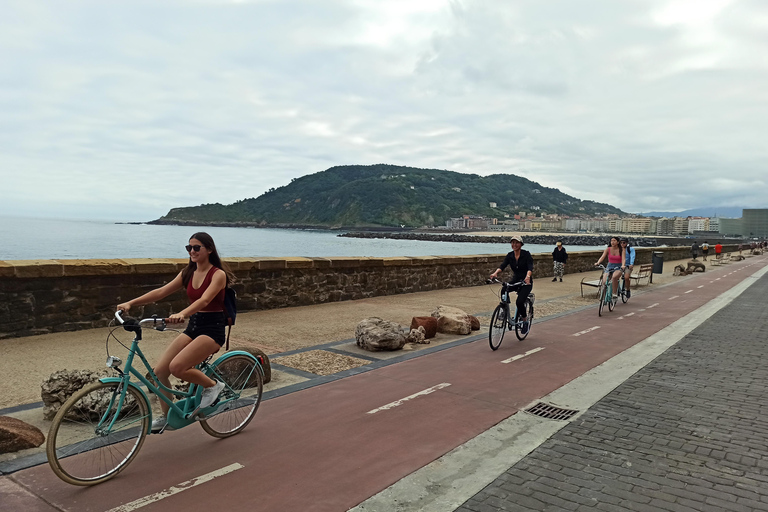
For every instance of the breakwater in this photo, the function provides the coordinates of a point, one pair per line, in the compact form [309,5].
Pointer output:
[531,239]
[44,296]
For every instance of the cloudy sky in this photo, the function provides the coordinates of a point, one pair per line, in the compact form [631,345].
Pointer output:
[123,110]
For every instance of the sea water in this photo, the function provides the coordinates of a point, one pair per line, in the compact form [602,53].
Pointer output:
[27,238]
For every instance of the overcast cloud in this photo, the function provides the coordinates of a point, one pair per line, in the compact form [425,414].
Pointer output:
[123,110]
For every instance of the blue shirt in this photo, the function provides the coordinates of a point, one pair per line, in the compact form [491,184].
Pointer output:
[630,258]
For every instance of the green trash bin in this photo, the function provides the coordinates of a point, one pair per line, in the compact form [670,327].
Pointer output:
[658,262]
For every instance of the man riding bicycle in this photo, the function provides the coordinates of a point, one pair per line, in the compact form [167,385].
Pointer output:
[521,264]
[629,263]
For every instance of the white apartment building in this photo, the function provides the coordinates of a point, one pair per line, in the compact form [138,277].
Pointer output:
[698,224]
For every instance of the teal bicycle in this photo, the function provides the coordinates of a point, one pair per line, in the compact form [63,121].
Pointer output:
[605,293]
[102,427]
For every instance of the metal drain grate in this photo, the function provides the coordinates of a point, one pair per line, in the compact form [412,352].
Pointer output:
[551,412]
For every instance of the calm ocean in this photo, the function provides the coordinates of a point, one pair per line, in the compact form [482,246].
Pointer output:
[25,239]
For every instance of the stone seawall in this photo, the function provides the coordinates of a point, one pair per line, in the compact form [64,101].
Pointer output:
[43,296]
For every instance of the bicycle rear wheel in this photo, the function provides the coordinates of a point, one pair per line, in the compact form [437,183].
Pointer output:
[499,320]
[528,313]
[240,398]
[84,446]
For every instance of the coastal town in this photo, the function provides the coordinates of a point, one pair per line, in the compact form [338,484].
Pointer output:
[752,223]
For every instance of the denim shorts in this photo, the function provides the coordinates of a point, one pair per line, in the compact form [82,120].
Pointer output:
[612,266]
[207,324]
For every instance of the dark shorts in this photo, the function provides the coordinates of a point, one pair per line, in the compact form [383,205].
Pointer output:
[207,324]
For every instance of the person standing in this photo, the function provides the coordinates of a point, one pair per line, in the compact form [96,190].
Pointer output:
[694,250]
[705,250]
[718,250]
[560,257]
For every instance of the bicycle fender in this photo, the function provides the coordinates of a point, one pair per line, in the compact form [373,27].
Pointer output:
[240,353]
[118,380]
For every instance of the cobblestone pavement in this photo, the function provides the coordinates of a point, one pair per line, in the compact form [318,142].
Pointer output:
[686,433]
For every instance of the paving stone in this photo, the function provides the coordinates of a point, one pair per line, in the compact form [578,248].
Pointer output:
[687,432]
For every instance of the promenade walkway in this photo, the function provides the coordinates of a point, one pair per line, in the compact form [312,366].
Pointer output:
[324,448]
[689,432]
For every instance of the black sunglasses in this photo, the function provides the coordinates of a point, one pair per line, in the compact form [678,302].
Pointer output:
[195,248]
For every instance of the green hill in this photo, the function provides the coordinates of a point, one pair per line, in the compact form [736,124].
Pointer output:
[387,196]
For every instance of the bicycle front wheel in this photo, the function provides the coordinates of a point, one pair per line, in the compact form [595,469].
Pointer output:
[499,320]
[611,297]
[520,331]
[601,298]
[93,437]
[240,398]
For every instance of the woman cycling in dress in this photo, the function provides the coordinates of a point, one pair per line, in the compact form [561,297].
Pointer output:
[615,255]
[521,264]
[204,280]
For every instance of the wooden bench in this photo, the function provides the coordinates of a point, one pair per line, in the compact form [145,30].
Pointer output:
[644,272]
[594,283]
[724,258]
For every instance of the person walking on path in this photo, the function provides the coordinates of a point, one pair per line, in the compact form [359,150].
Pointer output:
[718,250]
[560,257]
[204,279]
[705,250]
[694,250]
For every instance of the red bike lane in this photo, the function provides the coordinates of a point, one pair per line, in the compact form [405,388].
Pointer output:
[332,446]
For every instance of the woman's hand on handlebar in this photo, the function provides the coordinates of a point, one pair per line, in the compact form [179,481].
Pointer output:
[125,307]
[176,318]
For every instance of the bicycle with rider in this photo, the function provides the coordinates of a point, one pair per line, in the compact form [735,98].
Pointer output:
[615,255]
[521,263]
[629,263]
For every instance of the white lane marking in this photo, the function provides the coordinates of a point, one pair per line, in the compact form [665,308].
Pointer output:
[653,305]
[622,317]
[717,279]
[702,286]
[154,498]
[520,356]
[673,297]
[587,330]
[689,291]
[411,397]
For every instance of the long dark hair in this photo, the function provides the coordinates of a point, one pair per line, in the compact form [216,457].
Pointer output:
[618,246]
[207,241]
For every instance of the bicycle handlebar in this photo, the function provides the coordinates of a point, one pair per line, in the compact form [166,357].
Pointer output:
[131,324]
[495,280]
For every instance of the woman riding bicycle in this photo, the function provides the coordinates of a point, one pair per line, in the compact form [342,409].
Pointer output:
[521,264]
[204,280]
[615,254]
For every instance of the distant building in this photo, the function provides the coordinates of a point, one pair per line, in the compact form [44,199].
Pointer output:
[698,224]
[731,227]
[492,204]
[755,222]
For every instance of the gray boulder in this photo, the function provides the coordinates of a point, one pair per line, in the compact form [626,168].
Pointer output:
[17,435]
[56,389]
[375,334]
[452,320]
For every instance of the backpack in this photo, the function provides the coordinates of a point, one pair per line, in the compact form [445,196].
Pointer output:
[230,309]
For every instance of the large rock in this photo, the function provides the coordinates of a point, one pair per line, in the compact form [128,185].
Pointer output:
[695,266]
[56,389]
[452,320]
[375,334]
[429,323]
[17,435]
[259,354]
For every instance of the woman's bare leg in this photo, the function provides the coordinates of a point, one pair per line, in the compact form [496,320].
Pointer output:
[197,351]
[162,367]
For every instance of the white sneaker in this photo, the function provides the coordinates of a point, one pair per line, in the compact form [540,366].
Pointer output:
[160,424]
[210,394]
